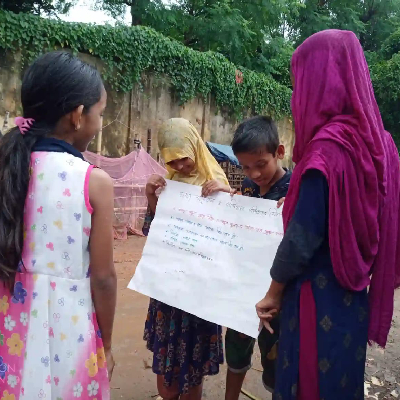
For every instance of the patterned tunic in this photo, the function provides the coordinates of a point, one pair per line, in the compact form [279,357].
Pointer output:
[303,259]
[50,343]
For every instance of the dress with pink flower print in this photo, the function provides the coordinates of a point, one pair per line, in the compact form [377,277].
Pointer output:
[50,343]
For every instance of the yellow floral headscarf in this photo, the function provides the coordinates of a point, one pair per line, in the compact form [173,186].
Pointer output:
[177,139]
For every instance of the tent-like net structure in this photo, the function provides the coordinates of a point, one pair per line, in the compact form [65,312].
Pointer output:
[130,174]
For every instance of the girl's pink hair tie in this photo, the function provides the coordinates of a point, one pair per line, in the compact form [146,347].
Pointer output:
[24,124]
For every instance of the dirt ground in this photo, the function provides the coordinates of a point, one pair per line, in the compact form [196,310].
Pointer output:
[134,380]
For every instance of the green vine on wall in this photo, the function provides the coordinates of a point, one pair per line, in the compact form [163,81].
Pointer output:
[128,52]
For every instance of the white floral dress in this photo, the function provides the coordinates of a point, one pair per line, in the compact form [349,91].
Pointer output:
[50,343]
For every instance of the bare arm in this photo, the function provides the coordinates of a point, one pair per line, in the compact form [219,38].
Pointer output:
[103,275]
[153,200]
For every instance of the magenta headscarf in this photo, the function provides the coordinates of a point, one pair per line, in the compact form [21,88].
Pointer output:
[339,131]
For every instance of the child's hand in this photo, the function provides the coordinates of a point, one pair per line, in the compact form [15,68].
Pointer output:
[110,363]
[155,182]
[281,201]
[214,186]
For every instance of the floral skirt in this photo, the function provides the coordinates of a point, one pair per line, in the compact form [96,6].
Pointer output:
[185,348]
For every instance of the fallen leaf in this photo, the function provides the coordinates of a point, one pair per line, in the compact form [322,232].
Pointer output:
[375,381]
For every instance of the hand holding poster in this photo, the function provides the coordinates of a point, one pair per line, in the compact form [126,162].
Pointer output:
[211,256]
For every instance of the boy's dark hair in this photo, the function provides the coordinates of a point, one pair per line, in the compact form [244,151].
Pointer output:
[255,133]
[54,85]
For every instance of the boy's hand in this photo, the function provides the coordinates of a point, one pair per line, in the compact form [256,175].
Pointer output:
[155,182]
[281,201]
[214,186]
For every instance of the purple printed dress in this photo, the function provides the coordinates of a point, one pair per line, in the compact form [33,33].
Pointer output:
[50,344]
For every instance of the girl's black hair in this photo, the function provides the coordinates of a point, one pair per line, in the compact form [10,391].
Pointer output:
[54,85]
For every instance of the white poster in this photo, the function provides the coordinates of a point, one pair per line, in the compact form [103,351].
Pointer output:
[211,256]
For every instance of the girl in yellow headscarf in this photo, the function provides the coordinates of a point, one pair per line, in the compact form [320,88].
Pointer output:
[188,160]
[185,347]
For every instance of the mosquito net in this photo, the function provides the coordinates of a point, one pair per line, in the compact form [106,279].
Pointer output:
[130,174]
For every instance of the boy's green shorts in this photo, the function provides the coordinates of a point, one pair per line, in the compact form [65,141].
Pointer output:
[239,350]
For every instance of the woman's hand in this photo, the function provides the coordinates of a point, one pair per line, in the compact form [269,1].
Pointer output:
[281,201]
[110,363]
[215,186]
[155,182]
[269,307]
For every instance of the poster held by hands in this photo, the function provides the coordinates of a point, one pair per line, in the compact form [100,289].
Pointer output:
[211,256]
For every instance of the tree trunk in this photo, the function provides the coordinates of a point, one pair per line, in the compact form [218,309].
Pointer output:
[136,12]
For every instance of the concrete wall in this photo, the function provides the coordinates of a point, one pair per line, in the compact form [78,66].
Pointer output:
[137,115]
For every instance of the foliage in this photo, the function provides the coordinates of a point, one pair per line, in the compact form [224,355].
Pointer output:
[258,35]
[316,16]
[391,45]
[275,59]
[262,34]
[37,6]
[386,80]
[246,32]
[116,8]
[377,24]
[372,20]
[128,52]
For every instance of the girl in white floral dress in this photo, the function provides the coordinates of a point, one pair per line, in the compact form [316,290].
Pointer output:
[56,314]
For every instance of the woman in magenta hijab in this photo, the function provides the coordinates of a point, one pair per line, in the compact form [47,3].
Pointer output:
[335,272]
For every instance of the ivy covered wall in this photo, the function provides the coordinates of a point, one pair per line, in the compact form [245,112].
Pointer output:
[149,78]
